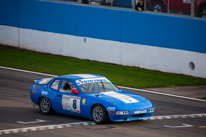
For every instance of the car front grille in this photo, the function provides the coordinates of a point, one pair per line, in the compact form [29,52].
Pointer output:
[137,115]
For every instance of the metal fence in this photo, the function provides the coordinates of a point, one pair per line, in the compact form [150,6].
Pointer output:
[193,8]
[188,8]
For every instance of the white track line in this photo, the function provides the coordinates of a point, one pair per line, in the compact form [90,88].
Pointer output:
[148,91]
[27,129]
[32,122]
[176,116]
[27,71]
[165,94]
[46,127]
[183,126]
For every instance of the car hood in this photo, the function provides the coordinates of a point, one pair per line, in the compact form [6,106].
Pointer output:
[123,99]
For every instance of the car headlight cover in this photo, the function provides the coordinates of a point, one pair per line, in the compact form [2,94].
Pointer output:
[122,112]
[151,110]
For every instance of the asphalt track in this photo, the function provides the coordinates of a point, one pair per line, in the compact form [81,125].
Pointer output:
[173,116]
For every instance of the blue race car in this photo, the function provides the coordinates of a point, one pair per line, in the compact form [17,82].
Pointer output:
[89,96]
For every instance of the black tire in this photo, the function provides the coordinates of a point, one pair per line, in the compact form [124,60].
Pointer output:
[99,114]
[45,106]
[158,6]
[203,11]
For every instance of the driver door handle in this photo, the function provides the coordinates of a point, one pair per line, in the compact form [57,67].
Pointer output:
[59,95]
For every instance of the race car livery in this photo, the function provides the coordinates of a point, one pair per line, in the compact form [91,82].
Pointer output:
[90,96]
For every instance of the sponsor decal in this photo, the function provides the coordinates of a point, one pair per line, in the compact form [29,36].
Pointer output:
[83,101]
[37,87]
[111,108]
[44,92]
[111,112]
[71,103]
[65,104]
[65,98]
[122,97]
[33,92]
[140,111]
[83,81]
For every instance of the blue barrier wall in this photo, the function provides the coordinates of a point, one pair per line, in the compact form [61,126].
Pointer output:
[108,24]
[164,31]
[9,12]
[71,19]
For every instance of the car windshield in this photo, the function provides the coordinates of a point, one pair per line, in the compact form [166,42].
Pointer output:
[96,86]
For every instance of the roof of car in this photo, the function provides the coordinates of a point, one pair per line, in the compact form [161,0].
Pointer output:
[81,76]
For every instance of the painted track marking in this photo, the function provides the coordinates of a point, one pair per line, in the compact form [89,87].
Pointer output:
[27,71]
[165,94]
[59,126]
[27,129]
[176,116]
[32,122]
[148,91]
[183,125]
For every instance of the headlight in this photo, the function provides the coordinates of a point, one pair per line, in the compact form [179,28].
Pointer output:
[151,110]
[122,112]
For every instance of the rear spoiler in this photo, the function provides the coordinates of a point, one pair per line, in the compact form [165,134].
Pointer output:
[43,81]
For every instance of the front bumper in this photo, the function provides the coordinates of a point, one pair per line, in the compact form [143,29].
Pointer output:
[137,114]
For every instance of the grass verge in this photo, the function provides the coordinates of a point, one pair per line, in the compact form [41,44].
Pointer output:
[204,98]
[120,75]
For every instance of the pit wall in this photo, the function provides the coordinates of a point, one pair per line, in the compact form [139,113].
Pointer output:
[151,41]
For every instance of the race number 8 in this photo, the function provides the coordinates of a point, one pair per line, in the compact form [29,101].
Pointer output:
[74,103]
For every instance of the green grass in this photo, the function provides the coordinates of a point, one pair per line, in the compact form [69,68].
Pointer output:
[204,98]
[120,75]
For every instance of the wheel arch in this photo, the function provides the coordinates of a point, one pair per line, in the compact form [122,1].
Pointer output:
[52,109]
[107,115]
[164,3]
[199,10]
[201,6]
[95,105]
[98,104]
[39,99]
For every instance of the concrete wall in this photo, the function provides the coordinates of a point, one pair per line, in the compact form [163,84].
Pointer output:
[9,35]
[144,40]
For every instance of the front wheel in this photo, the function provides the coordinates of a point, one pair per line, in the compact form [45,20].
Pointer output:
[158,6]
[99,114]
[45,106]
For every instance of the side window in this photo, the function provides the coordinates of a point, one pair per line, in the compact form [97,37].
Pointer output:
[66,86]
[84,87]
[55,84]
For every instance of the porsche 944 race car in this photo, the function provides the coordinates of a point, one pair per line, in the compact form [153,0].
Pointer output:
[90,96]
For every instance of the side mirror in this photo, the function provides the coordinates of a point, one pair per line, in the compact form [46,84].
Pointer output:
[75,91]
[117,86]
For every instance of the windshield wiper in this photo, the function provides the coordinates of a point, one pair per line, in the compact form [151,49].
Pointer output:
[103,86]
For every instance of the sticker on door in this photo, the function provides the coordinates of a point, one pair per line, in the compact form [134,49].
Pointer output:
[71,103]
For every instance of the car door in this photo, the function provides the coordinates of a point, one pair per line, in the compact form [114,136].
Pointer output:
[67,102]
[180,5]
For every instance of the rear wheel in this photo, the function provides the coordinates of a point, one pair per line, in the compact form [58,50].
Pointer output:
[45,106]
[158,6]
[99,114]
